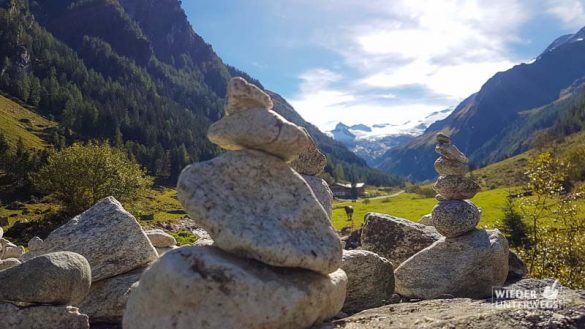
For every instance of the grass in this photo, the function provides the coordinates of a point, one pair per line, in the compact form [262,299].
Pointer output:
[413,206]
[17,122]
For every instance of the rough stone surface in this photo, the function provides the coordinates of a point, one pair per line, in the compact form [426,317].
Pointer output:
[162,251]
[254,205]
[464,313]
[455,217]
[310,161]
[107,235]
[8,263]
[242,95]
[395,239]
[370,280]
[322,192]
[466,266]
[446,167]
[60,278]
[426,220]
[35,243]
[10,250]
[41,317]
[516,267]
[1,232]
[160,239]
[204,287]
[451,152]
[107,298]
[262,130]
[456,187]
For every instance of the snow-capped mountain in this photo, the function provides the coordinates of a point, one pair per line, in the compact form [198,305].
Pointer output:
[371,142]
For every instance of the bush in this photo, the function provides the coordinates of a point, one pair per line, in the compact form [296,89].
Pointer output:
[512,225]
[81,175]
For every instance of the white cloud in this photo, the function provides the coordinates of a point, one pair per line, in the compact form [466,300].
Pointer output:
[570,12]
[447,49]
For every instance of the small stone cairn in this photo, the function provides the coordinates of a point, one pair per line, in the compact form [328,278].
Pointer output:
[274,259]
[466,262]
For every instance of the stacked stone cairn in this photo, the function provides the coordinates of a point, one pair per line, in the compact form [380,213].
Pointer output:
[466,262]
[275,258]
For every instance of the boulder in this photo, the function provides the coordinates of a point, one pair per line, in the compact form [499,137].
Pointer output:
[60,278]
[516,267]
[310,161]
[456,187]
[259,129]
[107,235]
[254,205]
[10,250]
[8,263]
[395,239]
[203,238]
[107,298]
[160,239]
[1,232]
[205,287]
[455,217]
[370,280]
[322,191]
[464,313]
[35,244]
[466,266]
[242,96]
[446,167]
[162,251]
[41,317]
[426,220]
[451,152]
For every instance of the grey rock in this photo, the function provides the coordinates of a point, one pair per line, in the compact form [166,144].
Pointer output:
[516,267]
[162,251]
[451,152]
[443,139]
[242,95]
[455,217]
[204,287]
[259,129]
[464,313]
[456,187]
[426,220]
[446,167]
[10,250]
[60,278]
[8,263]
[41,317]
[254,205]
[466,266]
[322,191]
[107,298]
[395,239]
[35,244]
[107,235]
[310,161]
[370,280]
[160,239]
[203,238]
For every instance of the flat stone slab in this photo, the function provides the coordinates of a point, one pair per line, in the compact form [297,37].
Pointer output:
[254,205]
[456,187]
[205,287]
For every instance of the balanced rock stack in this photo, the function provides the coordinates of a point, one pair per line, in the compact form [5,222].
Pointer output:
[466,262]
[275,258]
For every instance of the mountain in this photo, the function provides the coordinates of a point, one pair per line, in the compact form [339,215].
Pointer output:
[371,143]
[483,124]
[133,72]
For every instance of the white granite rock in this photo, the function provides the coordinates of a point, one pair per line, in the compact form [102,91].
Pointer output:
[259,129]
[310,161]
[254,205]
[41,317]
[242,96]
[8,263]
[322,191]
[160,239]
[10,250]
[35,243]
[107,235]
[466,266]
[204,287]
[456,187]
[446,167]
[455,217]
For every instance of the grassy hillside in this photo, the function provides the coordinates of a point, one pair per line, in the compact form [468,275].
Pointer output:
[17,122]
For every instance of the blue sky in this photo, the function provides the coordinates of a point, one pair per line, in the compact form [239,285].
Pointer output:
[374,61]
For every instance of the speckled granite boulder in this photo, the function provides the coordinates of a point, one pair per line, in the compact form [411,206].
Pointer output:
[310,161]
[455,217]
[242,96]
[456,187]
[446,167]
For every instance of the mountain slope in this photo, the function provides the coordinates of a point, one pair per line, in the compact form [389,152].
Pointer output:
[129,71]
[478,123]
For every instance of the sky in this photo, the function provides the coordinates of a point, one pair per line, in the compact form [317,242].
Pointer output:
[379,61]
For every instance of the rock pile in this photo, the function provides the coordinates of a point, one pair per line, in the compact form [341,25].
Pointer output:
[466,262]
[275,258]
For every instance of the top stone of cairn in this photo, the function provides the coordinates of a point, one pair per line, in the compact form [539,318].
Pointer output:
[243,95]
[449,151]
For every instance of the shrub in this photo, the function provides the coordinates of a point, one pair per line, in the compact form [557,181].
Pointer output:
[81,175]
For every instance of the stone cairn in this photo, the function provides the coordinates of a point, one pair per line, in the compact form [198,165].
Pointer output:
[466,262]
[273,260]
